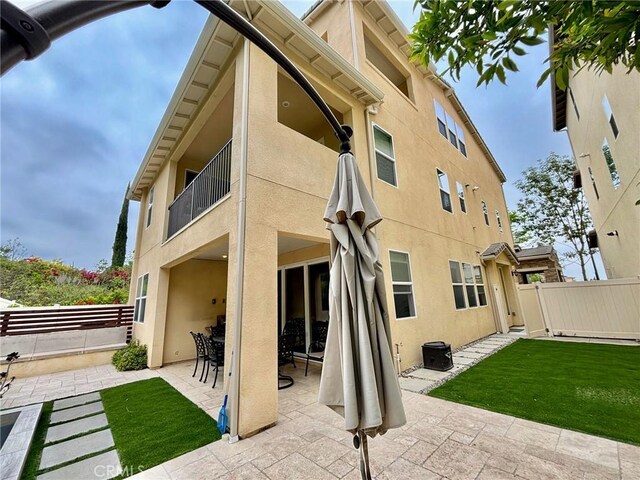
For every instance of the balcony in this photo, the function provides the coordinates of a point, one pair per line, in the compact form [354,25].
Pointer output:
[210,186]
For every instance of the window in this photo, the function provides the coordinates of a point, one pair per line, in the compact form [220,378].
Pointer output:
[189,176]
[468,285]
[141,298]
[449,129]
[593,182]
[610,118]
[463,205]
[498,221]
[402,285]
[482,296]
[385,158]
[485,212]
[445,196]
[150,205]
[573,101]
[613,171]
[458,286]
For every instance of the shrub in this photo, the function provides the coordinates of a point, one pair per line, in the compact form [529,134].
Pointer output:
[131,357]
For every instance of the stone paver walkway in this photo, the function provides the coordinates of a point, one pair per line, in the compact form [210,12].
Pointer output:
[423,380]
[78,442]
[440,440]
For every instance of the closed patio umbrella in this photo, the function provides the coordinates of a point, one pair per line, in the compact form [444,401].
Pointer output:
[358,376]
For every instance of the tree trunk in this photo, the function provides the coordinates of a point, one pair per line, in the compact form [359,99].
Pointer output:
[593,262]
[583,266]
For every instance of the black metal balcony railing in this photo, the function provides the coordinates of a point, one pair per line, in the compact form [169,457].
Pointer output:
[208,188]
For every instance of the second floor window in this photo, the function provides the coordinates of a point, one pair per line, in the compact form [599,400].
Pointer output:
[141,298]
[445,196]
[593,183]
[150,206]
[463,204]
[485,212]
[385,156]
[611,165]
[402,285]
[610,118]
[449,128]
[498,221]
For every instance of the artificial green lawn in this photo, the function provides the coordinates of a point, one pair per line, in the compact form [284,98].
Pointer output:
[586,387]
[152,422]
[30,470]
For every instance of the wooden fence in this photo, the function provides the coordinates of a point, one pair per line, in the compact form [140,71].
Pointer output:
[599,309]
[36,320]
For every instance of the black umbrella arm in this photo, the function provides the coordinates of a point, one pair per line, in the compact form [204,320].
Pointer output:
[26,35]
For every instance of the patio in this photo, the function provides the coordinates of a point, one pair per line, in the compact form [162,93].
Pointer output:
[441,439]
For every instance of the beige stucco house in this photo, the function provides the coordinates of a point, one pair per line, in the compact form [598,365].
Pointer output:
[601,115]
[236,179]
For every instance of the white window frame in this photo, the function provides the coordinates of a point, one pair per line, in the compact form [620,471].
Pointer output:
[375,126]
[142,289]
[485,212]
[608,112]
[484,290]
[615,180]
[149,205]
[499,221]
[451,127]
[457,284]
[410,284]
[439,175]
[593,183]
[461,200]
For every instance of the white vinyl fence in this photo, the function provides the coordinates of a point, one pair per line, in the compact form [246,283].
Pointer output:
[599,309]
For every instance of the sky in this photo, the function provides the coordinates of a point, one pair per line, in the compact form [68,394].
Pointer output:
[76,123]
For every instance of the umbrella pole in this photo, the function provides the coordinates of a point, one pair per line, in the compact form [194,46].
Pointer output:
[365,471]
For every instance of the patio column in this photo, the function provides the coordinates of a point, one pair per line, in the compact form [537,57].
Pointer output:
[158,312]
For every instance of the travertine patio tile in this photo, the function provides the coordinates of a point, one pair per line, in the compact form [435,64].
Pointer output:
[459,422]
[186,459]
[324,451]
[491,473]
[533,468]
[245,472]
[223,449]
[629,470]
[453,460]
[205,468]
[264,461]
[156,473]
[505,447]
[283,444]
[297,467]
[462,438]
[232,463]
[501,463]
[603,472]
[430,433]
[339,468]
[419,452]
[402,469]
[629,453]
[533,436]
[406,440]
[537,426]
[587,447]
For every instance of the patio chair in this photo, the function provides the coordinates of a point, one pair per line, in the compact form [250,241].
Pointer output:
[215,360]
[201,352]
[316,349]
[286,344]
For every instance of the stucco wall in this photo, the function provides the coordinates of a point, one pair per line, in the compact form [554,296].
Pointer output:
[192,287]
[615,209]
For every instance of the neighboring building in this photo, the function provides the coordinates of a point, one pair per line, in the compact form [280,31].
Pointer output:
[239,134]
[538,264]
[601,115]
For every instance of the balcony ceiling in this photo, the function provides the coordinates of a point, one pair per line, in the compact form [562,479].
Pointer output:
[208,61]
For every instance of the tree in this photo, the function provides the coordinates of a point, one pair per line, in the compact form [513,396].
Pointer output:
[12,249]
[551,209]
[520,235]
[489,35]
[120,242]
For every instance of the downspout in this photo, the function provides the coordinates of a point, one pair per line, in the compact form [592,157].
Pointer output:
[242,221]
[371,109]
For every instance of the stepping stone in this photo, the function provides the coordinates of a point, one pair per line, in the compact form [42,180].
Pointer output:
[102,467]
[78,447]
[76,412]
[69,429]
[414,384]
[467,354]
[75,401]
[462,360]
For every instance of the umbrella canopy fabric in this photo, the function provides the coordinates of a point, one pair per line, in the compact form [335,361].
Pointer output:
[358,376]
